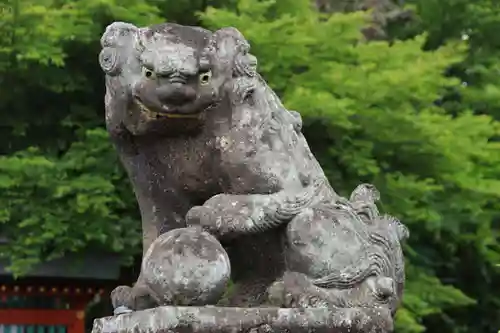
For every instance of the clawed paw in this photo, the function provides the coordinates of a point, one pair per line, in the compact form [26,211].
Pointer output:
[121,299]
[296,291]
[201,217]
[218,223]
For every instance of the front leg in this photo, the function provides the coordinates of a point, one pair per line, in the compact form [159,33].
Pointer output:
[161,211]
[125,298]
[229,215]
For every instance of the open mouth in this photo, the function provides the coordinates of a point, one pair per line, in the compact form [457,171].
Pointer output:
[159,115]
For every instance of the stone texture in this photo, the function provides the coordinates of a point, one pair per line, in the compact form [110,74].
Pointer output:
[186,266]
[208,145]
[234,320]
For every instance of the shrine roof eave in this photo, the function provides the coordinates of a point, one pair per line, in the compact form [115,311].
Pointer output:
[85,265]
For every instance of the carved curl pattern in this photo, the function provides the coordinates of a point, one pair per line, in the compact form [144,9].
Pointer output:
[232,50]
[118,36]
[109,59]
[374,274]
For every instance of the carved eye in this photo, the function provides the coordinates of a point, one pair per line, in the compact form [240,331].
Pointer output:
[148,73]
[205,77]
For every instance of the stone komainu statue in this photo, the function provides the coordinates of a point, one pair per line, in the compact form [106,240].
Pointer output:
[227,185]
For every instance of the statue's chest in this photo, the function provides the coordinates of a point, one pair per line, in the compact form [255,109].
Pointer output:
[185,164]
[259,160]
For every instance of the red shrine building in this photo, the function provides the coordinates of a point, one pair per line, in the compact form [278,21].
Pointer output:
[56,296]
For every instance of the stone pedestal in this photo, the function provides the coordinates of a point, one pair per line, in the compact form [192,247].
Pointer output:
[233,320]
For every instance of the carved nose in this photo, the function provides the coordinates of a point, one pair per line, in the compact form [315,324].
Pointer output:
[175,94]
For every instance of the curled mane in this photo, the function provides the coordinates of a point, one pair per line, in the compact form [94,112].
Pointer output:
[381,235]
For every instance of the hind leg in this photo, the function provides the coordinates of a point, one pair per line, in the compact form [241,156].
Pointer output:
[297,290]
[321,239]
[328,263]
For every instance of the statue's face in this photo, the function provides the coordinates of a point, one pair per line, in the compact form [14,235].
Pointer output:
[165,72]
[173,79]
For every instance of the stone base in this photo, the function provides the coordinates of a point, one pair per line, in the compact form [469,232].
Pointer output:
[170,319]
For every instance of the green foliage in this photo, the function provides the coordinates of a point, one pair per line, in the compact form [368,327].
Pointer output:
[46,51]
[60,194]
[55,205]
[398,116]
[477,22]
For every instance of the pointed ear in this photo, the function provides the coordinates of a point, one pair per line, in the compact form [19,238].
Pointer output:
[118,39]
[228,53]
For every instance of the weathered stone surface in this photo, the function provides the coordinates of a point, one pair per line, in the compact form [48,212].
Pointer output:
[186,266]
[234,320]
[208,144]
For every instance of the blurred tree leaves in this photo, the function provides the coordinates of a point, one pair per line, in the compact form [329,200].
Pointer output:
[63,188]
[47,49]
[54,205]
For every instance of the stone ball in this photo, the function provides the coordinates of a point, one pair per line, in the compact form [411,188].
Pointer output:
[186,266]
